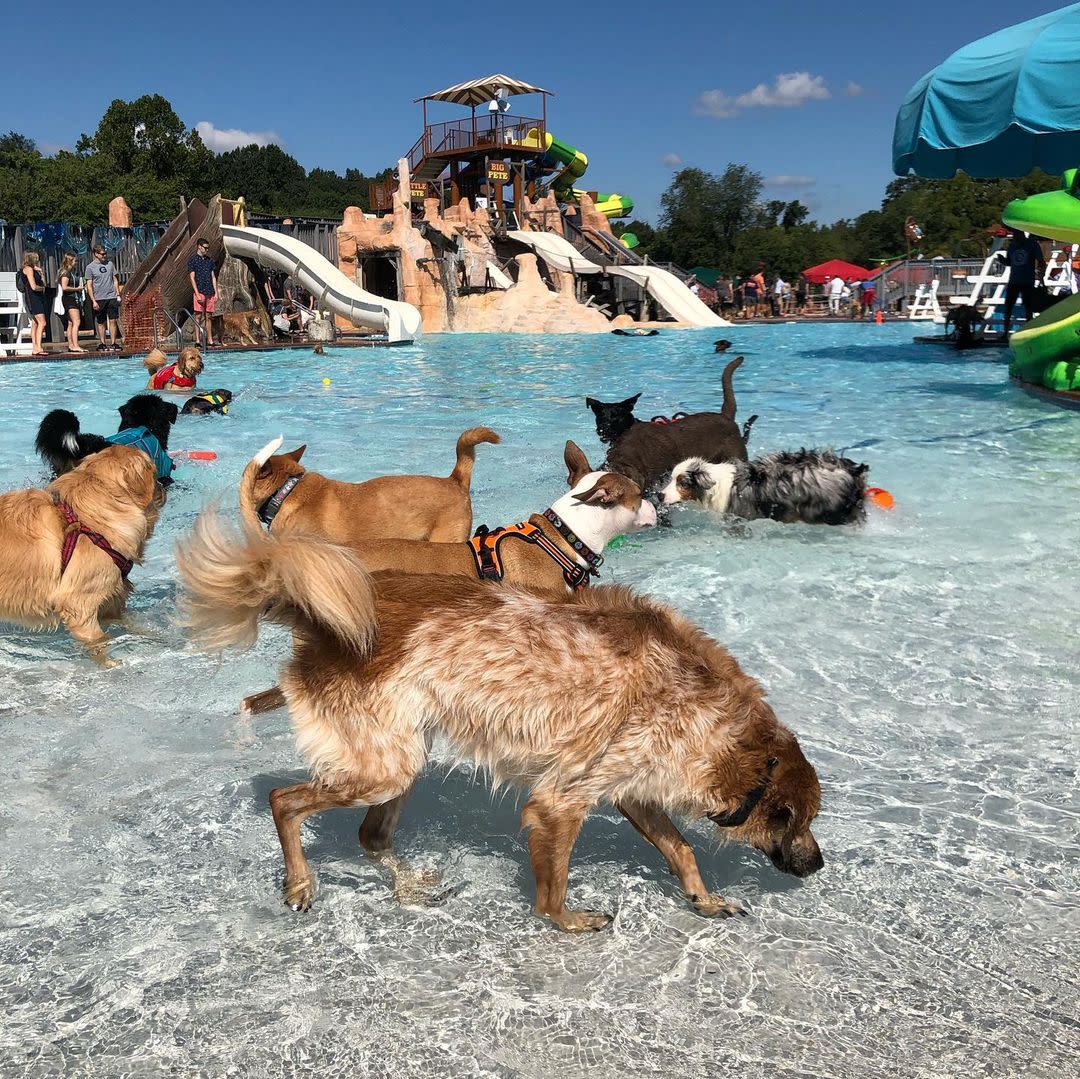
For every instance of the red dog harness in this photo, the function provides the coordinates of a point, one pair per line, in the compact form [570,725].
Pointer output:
[489,567]
[74,528]
[673,419]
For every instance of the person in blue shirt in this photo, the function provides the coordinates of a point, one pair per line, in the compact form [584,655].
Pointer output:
[203,275]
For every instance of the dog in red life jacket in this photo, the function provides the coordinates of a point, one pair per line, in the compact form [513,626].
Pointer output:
[173,377]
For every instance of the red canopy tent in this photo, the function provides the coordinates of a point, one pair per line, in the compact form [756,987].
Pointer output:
[818,275]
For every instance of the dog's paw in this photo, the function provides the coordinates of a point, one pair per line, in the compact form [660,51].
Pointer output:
[299,894]
[580,921]
[716,906]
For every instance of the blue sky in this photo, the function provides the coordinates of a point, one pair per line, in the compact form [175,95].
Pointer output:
[804,92]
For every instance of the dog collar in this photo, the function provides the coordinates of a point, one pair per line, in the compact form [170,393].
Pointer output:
[270,508]
[593,560]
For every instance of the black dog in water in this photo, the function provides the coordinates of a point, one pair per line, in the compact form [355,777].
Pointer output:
[964,326]
[202,404]
[647,452]
[62,445]
[721,345]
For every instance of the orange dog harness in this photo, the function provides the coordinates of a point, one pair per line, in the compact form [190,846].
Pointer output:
[489,567]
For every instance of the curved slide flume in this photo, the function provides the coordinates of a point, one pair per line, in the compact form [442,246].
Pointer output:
[574,164]
[330,288]
[663,286]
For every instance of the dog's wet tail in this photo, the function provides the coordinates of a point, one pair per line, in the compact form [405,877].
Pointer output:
[746,429]
[728,407]
[466,453]
[235,581]
[59,443]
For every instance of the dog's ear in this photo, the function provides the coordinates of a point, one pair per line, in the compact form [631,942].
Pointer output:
[592,403]
[577,464]
[295,455]
[605,492]
[171,411]
[629,403]
[697,478]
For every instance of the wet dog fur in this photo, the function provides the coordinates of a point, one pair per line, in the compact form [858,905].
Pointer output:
[200,406]
[598,507]
[618,701]
[62,445]
[113,492]
[646,452]
[808,486]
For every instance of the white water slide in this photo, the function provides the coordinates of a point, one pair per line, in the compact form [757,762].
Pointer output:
[329,287]
[663,286]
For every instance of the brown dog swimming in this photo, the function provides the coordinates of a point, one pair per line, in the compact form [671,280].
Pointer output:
[599,697]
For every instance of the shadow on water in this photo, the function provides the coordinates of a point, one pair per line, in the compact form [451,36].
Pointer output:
[913,354]
[453,815]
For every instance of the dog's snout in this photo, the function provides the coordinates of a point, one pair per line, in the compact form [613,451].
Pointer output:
[646,515]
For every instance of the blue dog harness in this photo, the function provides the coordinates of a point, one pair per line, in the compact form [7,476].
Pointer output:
[142,439]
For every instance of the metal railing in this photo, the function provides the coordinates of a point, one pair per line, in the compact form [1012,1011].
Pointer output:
[178,321]
[478,132]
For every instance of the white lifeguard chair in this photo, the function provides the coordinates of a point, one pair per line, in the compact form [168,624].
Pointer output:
[988,291]
[15,339]
[1058,276]
[925,306]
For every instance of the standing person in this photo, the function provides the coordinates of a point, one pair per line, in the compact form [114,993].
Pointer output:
[103,287]
[750,295]
[778,296]
[836,290]
[71,300]
[725,294]
[203,275]
[32,287]
[800,296]
[1025,261]
[869,295]
[762,289]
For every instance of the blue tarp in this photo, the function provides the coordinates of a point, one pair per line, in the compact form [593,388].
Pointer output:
[1001,106]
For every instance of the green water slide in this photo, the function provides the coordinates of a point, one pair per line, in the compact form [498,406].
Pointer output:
[574,164]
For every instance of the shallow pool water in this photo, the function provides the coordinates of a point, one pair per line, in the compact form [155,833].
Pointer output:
[928,662]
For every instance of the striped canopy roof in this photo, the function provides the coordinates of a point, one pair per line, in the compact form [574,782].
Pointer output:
[477,91]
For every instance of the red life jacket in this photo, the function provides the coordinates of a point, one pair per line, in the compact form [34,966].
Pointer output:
[168,376]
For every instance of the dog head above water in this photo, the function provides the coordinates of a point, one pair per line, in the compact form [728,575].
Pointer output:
[698,480]
[149,411]
[722,345]
[275,470]
[601,505]
[774,814]
[189,363]
[614,418]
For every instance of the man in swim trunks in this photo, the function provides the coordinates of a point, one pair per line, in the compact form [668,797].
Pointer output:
[103,288]
[203,275]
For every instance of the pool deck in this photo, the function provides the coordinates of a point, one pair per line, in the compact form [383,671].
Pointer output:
[57,356]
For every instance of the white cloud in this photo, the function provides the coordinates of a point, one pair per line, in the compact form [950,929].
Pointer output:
[673,161]
[784,180]
[788,92]
[220,139]
[715,103]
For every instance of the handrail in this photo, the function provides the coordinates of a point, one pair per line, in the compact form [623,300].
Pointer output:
[178,326]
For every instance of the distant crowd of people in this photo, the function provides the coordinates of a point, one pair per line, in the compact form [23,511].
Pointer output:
[756,296]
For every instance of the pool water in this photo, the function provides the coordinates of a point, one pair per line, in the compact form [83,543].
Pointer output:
[928,662]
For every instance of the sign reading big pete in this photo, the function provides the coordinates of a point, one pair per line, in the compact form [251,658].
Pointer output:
[499,172]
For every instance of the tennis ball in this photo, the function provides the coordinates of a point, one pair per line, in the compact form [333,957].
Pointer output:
[326,382]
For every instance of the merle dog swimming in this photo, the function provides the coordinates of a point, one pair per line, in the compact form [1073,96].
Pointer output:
[811,486]
[647,451]
[62,444]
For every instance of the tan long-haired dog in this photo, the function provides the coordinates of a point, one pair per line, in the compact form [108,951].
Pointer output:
[602,696]
[112,499]
[433,508]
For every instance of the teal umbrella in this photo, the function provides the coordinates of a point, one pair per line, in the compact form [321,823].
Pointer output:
[1001,106]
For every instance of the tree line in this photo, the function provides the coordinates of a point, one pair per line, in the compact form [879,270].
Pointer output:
[722,221]
[142,150]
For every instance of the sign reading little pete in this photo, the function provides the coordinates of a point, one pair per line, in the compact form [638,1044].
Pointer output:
[499,172]
[417,190]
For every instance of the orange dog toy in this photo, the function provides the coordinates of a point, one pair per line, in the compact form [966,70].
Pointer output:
[880,497]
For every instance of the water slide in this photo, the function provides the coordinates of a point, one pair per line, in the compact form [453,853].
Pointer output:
[663,286]
[330,288]
[574,164]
